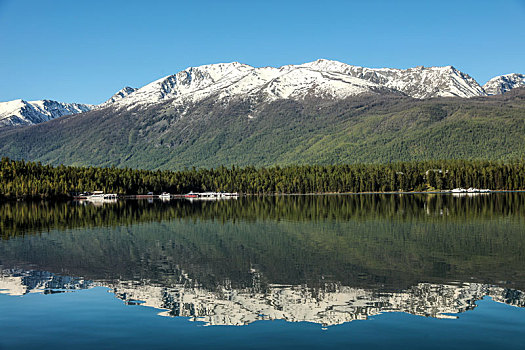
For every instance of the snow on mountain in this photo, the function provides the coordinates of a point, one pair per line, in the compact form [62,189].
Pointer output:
[503,83]
[321,78]
[126,91]
[190,81]
[20,112]
[418,82]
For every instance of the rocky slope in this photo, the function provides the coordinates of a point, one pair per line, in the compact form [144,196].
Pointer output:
[20,112]
[504,83]
[319,79]
[122,93]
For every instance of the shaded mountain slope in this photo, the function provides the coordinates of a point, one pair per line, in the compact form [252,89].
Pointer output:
[244,131]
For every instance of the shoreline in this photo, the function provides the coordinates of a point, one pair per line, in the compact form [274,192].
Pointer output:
[181,196]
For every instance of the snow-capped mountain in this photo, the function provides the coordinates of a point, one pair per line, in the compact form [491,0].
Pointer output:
[126,91]
[321,78]
[20,112]
[503,83]
[418,82]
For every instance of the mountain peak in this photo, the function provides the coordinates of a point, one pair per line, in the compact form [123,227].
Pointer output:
[20,112]
[125,91]
[322,78]
[503,83]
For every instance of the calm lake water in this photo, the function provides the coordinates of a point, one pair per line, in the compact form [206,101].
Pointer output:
[368,271]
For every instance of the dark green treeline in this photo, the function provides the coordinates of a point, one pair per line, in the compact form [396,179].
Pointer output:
[34,180]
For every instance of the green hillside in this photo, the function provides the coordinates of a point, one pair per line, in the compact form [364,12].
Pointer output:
[362,129]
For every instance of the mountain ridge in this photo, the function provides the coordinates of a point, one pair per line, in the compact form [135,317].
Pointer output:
[504,83]
[322,78]
[20,112]
[322,112]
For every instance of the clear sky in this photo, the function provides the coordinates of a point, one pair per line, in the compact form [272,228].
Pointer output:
[84,51]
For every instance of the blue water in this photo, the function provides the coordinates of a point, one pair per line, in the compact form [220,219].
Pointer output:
[93,318]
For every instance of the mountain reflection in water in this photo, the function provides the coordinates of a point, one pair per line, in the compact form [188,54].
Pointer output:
[330,305]
[321,259]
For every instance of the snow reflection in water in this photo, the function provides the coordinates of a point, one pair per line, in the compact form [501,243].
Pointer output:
[330,305]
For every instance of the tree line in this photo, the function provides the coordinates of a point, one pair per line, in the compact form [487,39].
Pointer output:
[21,179]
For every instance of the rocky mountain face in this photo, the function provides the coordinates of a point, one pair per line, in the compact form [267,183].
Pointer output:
[503,83]
[319,79]
[20,112]
[126,91]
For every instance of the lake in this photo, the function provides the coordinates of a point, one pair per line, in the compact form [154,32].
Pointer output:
[411,271]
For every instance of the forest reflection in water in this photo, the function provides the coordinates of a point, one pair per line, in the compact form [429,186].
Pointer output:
[324,259]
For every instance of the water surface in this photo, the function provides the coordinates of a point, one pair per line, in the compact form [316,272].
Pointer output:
[380,271]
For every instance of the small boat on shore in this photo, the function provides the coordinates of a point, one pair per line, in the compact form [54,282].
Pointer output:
[211,195]
[100,195]
[470,190]
[95,195]
[165,196]
[97,198]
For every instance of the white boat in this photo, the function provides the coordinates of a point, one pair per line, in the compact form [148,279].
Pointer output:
[211,195]
[96,195]
[165,195]
[100,195]
[98,198]
[217,194]
[477,190]
[469,191]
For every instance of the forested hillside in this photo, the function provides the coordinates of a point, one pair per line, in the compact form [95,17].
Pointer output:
[244,132]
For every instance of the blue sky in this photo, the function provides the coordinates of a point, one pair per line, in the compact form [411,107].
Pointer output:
[84,51]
